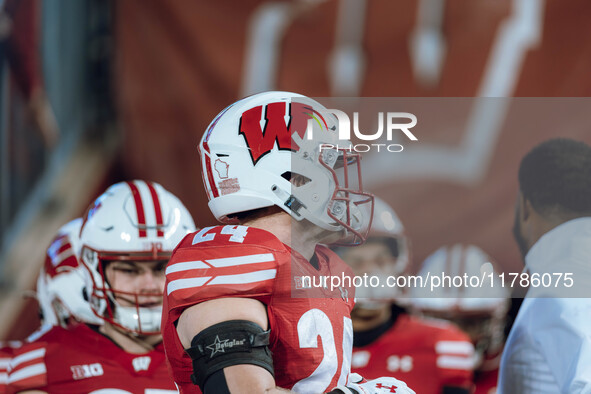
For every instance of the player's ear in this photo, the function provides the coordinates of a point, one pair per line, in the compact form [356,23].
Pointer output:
[524,207]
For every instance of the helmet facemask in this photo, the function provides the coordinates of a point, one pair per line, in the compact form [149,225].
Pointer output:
[349,206]
[107,302]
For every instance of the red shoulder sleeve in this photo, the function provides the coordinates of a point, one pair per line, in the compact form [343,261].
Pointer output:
[221,262]
[27,368]
[455,357]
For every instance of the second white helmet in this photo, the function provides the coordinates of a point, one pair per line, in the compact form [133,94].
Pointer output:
[60,285]
[131,221]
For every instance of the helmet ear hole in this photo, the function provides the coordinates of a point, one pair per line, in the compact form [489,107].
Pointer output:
[296,179]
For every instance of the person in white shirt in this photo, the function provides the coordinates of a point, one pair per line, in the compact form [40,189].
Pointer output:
[549,346]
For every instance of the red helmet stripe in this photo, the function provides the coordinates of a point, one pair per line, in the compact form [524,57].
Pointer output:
[139,207]
[214,189]
[157,209]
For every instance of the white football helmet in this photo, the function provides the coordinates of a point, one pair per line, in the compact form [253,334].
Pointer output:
[387,230]
[60,285]
[254,147]
[479,310]
[131,221]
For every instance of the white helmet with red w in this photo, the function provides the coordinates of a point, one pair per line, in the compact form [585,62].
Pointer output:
[478,308]
[131,221]
[60,285]
[281,148]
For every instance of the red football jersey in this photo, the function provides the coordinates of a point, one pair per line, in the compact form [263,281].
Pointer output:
[80,360]
[486,382]
[5,355]
[6,351]
[311,330]
[425,353]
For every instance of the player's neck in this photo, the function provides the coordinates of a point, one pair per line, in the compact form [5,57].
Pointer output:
[300,236]
[128,342]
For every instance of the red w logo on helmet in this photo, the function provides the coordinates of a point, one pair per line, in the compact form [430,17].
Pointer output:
[277,125]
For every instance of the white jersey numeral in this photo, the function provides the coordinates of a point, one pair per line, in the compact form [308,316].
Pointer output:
[238,233]
[313,324]
[202,236]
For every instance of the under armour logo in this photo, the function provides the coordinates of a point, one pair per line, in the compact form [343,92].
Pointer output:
[391,388]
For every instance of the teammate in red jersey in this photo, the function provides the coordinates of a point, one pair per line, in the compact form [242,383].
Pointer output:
[242,316]
[6,351]
[480,311]
[126,239]
[432,357]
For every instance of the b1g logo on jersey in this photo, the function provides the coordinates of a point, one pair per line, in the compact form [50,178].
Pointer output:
[263,126]
[86,371]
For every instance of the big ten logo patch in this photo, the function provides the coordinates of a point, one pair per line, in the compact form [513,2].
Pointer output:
[86,371]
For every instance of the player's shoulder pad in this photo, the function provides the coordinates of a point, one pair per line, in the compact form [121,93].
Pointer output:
[28,369]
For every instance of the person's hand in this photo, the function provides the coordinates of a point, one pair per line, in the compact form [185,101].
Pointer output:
[383,385]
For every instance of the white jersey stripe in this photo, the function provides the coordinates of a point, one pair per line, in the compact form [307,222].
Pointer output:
[27,372]
[186,266]
[4,362]
[241,260]
[250,277]
[454,347]
[180,284]
[454,362]
[38,353]
[3,378]
[64,255]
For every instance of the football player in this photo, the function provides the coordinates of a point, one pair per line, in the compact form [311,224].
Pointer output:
[125,240]
[480,311]
[60,285]
[59,293]
[431,357]
[60,261]
[238,318]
